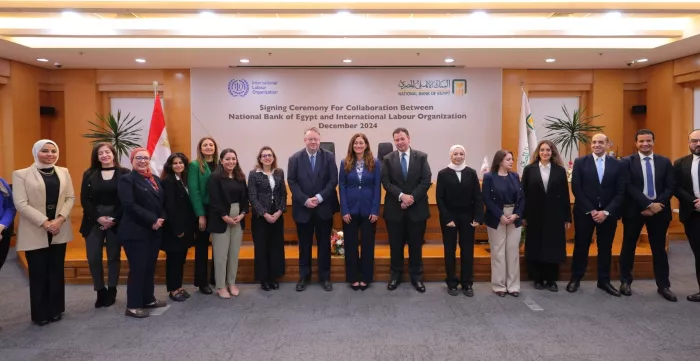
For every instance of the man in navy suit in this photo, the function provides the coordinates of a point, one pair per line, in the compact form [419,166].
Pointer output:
[598,183]
[650,186]
[312,177]
[406,178]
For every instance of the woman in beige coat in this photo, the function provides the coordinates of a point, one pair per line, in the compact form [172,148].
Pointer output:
[44,197]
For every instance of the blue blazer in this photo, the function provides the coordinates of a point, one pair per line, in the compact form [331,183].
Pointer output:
[305,184]
[142,205]
[360,197]
[7,207]
[588,191]
[494,202]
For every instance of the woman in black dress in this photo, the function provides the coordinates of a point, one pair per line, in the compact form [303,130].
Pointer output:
[267,192]
[547,215]
[180,224]
[101,215]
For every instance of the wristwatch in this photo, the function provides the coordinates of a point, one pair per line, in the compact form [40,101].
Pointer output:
[606,213]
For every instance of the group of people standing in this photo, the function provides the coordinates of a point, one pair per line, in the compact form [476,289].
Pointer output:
[193,203]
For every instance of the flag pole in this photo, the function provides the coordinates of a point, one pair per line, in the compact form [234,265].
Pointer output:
[155,88]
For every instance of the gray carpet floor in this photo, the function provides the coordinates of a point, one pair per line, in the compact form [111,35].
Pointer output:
[370,325]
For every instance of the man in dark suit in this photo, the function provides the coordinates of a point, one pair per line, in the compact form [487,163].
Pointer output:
[312,178]
[687,173]
[406,179]
[650,185]
[598,184]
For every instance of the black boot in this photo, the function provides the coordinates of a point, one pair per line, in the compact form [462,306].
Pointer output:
[111,296]
[101,298]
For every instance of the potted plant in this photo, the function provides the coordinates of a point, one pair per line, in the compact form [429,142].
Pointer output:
[571,131]
[123,134]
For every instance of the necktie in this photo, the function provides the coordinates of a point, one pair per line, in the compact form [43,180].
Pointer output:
[404,165]
[313,163]
[650,179]
[599,166]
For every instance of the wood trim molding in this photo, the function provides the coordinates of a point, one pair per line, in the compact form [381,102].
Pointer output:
[686,78]
[51,87]
[4,80]
[558,87]
[128,88]
[635,86]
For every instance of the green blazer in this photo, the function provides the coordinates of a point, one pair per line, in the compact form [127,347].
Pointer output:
[197,186]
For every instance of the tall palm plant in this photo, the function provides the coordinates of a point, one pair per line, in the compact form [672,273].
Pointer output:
[123,134]
[575,129]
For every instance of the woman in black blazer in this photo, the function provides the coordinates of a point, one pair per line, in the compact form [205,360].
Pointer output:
[547,215]
[180,224]
[458,196]
[267,191]
[141,196]
[101,215]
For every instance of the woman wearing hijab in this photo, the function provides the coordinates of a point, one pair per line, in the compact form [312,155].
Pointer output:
[461,208]
[7,215]
[44,197]
[141,196]
[547,215]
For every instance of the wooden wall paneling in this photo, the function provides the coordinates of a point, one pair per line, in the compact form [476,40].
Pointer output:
[665,110]
[632,122]
[687,78]
[510,103]
[607,100]
[686,65]
[5,130]
[178,109]
[583,76]
[129,76]
[4,68]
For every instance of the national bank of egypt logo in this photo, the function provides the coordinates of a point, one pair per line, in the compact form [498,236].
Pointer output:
[238,87]
[459,87]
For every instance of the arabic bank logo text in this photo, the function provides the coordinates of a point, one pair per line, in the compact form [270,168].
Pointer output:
[238,87]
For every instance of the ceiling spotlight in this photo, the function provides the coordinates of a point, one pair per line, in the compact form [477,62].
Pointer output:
[449,60]
[139,60]
[642,60]
[550,60]
[347,61]
[479,14]
[245,61]
[42,60]
[343,13]
[613,14]
[207,14]
[69,14]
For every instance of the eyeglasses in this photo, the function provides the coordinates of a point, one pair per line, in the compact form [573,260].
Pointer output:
[694,141]
[140,158]
[266,156]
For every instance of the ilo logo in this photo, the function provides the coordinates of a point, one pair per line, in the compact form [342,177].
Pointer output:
[238,87]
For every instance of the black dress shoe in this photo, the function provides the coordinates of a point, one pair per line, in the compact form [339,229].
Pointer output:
[468,291]
[500,293]
[156,304]
[667,294]
[539,286]
[452,291]
[301,285]
[419,286]
[177,297]
[694,298]
[274,285]
[625,289]
[573,286]
[355,287]
[607,287]
[364,287]
[41,323]
[327,286]
[265,286]
[56,318]
[552,286]
[514,294]
[393,284]
[206,290]
[111,296]
[138,313]
[101,298]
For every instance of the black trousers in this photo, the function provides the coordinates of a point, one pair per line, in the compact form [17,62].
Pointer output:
[400,233]
[174,269]
[692,231]
[142,257]
[605,232]
[359,267]
[656,229]
[47,295]
[305,232]
[201,256]
[463,231]
[5,245]
[543,272]
[268,241]
[94,243]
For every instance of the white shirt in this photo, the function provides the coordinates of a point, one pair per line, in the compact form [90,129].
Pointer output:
[644,173]
[694,176]
[545,170]
[183,184]
[459,175]
[272,181]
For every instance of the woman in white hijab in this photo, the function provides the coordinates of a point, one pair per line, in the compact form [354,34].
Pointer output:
[461,208]
[44,197]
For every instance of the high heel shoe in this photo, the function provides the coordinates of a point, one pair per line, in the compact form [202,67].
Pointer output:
[364,286]
[355,287]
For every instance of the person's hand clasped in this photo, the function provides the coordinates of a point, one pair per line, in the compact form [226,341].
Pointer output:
[158,224]
[451,224]
[505,220]
[311,202]
[269,218]
[202,223]
[373,218]
[237,219]
[474,224]
[347,218]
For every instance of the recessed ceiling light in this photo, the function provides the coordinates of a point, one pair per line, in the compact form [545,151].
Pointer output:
[245,61]
[550,60]
[139,60]
[343,13]
[479,14]
[42,60]
[347,61]
[642,60]
[207,14]
[613,14]
[449,60]
[69,14]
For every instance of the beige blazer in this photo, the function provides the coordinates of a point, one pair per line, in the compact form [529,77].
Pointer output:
[29,193]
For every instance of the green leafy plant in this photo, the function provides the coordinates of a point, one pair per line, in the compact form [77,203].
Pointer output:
[123,134]
[575,129]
